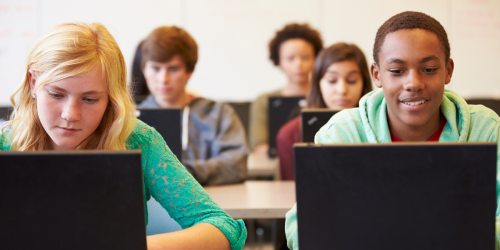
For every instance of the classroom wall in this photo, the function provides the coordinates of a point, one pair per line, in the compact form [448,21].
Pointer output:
[233,35]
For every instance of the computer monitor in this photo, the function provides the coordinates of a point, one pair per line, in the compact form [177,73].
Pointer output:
[4,114]
[313,120]
[168,123]
[281,110]
[396,196]
[72,200]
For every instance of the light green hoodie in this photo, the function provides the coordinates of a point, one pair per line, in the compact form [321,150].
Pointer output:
[368,124]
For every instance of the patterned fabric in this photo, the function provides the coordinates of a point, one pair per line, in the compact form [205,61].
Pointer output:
[167,180]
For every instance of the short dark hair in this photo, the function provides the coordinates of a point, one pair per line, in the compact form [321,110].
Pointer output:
[336,53]
[411,20]
[165,42]
[293,31]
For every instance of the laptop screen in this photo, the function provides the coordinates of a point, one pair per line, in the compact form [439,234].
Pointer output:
[313,120]
[281,110]
[72,200]
[4,114]
[396,196]
[168,123]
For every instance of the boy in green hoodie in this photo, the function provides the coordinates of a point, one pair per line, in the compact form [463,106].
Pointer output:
[412,66]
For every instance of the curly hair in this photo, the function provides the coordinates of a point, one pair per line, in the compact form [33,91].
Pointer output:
[411,20]
[292,31]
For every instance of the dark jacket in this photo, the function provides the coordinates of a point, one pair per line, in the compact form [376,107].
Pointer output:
[217,148]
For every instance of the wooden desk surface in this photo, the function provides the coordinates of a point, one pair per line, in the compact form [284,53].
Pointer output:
[261,165]
[255,199]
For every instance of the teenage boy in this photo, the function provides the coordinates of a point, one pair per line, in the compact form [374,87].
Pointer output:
[412,66]
[215,148]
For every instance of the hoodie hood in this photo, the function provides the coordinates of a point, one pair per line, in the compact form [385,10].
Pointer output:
[373,115]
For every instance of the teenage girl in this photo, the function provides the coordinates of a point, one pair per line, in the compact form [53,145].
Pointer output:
[74,96]
[340,78]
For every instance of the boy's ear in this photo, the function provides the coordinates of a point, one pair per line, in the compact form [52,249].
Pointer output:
[32,81]
[375,72]
[449,70]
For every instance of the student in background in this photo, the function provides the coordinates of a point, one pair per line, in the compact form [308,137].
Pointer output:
[213,137]
[412,66]
[293,49]
[74,97]
[340,78]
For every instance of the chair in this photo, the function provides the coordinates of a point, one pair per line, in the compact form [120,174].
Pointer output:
[490,103]
[5,112]
[243,111]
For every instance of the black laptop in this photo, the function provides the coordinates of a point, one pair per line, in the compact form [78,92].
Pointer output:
[396,196]
[313,120]
[281,110]
[71,200]
[168,123]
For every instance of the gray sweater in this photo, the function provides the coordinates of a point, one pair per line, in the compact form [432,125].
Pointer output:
[217,148]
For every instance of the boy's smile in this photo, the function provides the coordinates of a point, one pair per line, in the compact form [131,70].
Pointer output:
[412,71]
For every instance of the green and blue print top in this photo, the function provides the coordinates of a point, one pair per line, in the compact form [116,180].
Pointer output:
[167,180]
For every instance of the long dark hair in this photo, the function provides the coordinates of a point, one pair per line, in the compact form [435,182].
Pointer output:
[139,87]
[336,53]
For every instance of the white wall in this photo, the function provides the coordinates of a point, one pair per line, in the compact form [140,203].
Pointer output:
[233,35]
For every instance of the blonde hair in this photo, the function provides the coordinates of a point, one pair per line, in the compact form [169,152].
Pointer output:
[68,50]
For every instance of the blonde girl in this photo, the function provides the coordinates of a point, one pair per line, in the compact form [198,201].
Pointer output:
[74,96]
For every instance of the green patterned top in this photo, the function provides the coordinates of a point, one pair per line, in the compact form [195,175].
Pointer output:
[166,179]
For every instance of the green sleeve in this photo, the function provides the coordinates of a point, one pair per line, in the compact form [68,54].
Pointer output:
[495,137]
[2,141]
[291,229]
[168,181]
[4,144]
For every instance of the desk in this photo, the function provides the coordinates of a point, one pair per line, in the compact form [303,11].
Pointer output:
[255,199]
[259,164]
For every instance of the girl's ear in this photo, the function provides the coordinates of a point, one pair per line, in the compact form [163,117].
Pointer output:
[32,80]
[375,72]
[449,70]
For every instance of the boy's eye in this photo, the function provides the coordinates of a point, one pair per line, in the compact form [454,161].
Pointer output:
[156,69]
[396,71]
[430,70]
